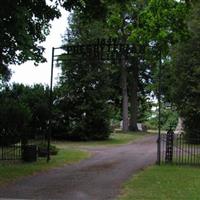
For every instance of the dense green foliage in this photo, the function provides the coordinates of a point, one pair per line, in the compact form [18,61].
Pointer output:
[152,27]
[85,108]
[84,87]
[24,112]
[24,24]
[90,94]
[169,118]
[14,120]
[184,73]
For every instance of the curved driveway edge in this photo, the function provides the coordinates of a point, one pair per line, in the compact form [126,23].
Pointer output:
[97,178]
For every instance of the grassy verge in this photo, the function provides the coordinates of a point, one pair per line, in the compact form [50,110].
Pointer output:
[10,172]
[115,139]
[164,183]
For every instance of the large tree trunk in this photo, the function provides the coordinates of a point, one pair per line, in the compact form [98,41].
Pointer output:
[134,98]
[125,121]
[180,126]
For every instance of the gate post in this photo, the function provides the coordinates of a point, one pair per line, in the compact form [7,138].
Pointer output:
[169,146]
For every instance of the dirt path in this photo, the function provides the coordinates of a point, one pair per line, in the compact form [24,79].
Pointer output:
[97,178]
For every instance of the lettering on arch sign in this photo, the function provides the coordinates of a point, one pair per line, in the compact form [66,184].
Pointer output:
[101,50]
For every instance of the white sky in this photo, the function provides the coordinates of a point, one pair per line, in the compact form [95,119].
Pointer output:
[30,74]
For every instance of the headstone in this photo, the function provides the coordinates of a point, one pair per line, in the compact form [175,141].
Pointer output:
[141,127]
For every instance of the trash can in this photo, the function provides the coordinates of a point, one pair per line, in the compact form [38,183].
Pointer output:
[29,153]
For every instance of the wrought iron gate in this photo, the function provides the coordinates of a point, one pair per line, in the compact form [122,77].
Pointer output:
[15,147]
[176,150]
[10,147]
[11,152]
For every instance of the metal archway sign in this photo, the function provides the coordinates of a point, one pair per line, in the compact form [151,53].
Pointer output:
[109,50]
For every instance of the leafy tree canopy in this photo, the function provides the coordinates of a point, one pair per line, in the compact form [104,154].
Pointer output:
[24,24]
[184,73]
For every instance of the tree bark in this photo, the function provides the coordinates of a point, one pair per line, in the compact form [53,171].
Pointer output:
[134,98]
[125,121]
[180,126]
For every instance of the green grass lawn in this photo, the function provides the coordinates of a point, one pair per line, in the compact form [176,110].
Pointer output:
[11,171]
[115,139]
[164,183]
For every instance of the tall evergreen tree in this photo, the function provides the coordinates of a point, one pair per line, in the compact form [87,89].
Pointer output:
[85,83]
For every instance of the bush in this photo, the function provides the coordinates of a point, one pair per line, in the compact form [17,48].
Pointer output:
[85,119]
[184,73]
[90,129]
[14,119]
[84,130]
[42,150]
[169,118]
[24,112]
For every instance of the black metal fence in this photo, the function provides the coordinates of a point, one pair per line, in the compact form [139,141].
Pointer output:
[176,149]
[10,146]
[11,152]
[14,149]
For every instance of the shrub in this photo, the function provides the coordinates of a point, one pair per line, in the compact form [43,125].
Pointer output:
[91,128]
[42,150]
[14,119]
[81,119]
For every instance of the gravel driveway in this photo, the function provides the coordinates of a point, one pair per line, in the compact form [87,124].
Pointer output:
[97,178]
